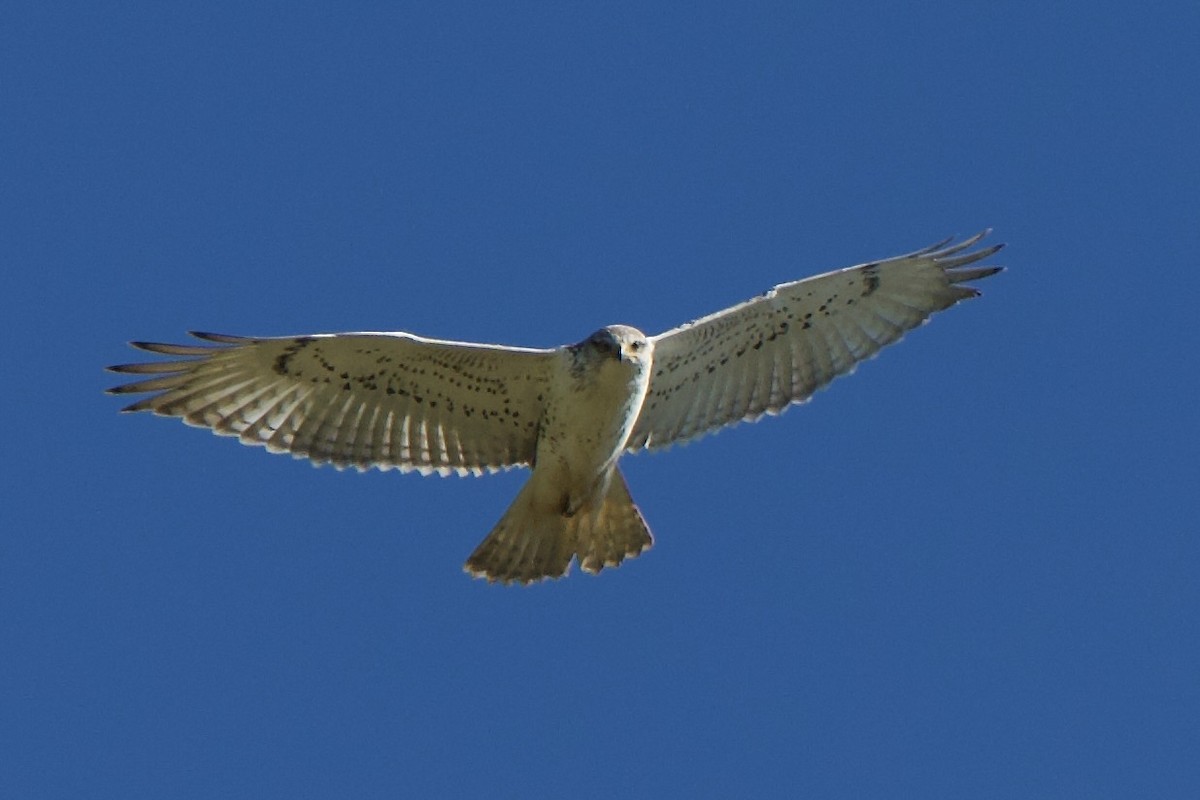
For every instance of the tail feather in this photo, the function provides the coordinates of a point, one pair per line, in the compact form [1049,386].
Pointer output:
[532,541]
[615,531]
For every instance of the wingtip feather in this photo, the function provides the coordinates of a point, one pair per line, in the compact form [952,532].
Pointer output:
[141,405]
[975,274]
[163,348]
[219,338]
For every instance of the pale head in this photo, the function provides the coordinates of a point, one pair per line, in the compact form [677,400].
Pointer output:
[622,342]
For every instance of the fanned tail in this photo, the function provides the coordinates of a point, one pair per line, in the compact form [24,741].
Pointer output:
[615,532]
[533,541]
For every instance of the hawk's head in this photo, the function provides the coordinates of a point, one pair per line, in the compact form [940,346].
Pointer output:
[622,342]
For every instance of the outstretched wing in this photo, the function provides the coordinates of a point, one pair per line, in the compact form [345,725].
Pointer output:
[386,400]
[761,356]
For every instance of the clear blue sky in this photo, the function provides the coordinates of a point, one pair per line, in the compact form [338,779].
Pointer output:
[968,570]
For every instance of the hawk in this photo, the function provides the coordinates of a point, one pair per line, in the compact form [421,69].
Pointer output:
[399,401]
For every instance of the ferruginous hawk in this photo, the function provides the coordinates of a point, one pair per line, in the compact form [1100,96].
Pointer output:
[399,401]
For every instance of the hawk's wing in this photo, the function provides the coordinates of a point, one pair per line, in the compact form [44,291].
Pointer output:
[359,399]
[777,349]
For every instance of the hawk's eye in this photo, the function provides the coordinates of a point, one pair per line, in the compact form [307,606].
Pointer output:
[635,345]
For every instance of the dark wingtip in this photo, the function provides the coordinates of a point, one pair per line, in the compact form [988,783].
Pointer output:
[126,368]
[140,405]
[220,338]
[163,348]
[128,388]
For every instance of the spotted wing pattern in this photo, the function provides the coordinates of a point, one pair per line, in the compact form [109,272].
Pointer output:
[761,356]
[386,400]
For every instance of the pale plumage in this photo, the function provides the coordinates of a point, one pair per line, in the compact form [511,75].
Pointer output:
[394,400]
[761,356]
[386,400]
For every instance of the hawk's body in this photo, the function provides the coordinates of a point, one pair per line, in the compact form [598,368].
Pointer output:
[576,502]
[394,400]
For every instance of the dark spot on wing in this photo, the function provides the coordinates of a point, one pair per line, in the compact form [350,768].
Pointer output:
[283,361]
[870,276]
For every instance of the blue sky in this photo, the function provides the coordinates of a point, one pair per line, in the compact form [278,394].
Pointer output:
[968,570]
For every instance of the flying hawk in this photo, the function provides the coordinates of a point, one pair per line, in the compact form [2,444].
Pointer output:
[399,401]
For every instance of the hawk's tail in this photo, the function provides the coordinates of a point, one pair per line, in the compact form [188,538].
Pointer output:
[531,541]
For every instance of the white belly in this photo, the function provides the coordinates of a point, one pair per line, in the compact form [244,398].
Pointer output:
[584,432]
